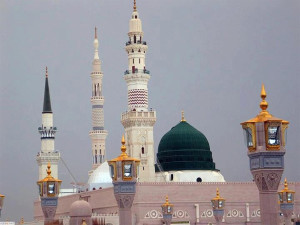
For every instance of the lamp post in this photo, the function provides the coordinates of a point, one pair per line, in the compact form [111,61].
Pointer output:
[167,210]
[1,202]
[49,190]
[286,201]
[265,136]
[123,171]
[218,205]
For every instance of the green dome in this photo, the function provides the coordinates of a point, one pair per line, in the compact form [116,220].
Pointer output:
[184,148]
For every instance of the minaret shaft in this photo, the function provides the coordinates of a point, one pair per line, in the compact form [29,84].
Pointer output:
[138,121]
[47,131]
[97,134]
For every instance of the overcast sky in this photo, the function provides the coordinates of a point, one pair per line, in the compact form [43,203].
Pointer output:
[206,57]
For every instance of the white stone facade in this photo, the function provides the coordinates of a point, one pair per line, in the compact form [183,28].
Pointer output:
[138,121]
[98,134]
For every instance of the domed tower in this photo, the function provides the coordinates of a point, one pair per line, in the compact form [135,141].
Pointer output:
[184,155]
[138,121]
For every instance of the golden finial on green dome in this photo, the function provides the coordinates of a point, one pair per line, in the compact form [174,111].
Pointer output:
[182,116]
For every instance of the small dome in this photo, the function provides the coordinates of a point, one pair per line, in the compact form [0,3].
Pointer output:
[80,208]
[100,177]
[184,148]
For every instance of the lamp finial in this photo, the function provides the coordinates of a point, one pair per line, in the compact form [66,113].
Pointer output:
[263,95]
[123,147]
[49,169]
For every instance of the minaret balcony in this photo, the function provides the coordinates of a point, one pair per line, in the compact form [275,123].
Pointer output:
[137,71]
[137,42]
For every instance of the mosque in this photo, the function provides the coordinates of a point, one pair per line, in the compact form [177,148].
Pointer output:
[183,167]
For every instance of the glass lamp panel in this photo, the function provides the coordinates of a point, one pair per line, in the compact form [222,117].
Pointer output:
[273,135]
[221,203]
[289,197]
[40,189]
[285,136]
[127,170]
[1,201]
[112,171]
[280,197]
[169,209]
[51,188]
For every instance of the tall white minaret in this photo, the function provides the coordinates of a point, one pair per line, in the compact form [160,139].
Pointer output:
[47,132]
[138,121]
[97,134]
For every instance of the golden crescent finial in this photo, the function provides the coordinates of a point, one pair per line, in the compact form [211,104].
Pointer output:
[134,5]
[263,95]
[96,33]
[182,116]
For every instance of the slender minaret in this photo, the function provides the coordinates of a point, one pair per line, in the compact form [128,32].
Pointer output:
[138,121]
[97,134]
[47,132]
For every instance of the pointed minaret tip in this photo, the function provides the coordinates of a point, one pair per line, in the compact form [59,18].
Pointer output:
[134,5]
[46,72]
[96,33]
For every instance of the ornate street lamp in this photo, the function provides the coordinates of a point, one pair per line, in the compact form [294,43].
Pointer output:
[123,171]
[167,210]
[49,190]
[265,136]
[218,205]
[1,202]
[286,201]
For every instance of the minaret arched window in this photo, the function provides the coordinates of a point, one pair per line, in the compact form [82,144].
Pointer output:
[134,39]
[143,150]
[98,90]
[139,61]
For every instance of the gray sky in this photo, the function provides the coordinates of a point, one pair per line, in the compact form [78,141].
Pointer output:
[206,57]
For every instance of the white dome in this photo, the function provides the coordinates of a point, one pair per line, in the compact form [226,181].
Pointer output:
[100,177]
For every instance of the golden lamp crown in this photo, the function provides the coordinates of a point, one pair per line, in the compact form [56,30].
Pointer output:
[167,203]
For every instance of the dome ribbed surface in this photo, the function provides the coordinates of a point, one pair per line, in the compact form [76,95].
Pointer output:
[184,148]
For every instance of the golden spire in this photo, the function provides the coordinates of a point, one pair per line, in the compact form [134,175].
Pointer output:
[182,116]
[46,72]
[285,184]
[96,33]
[134,5]
[167,199]
[123,147]
[49,169]
[263,95]
[218,193]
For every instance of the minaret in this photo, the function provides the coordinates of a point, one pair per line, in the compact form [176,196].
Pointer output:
[47,132]
[138,121]
[97,134]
